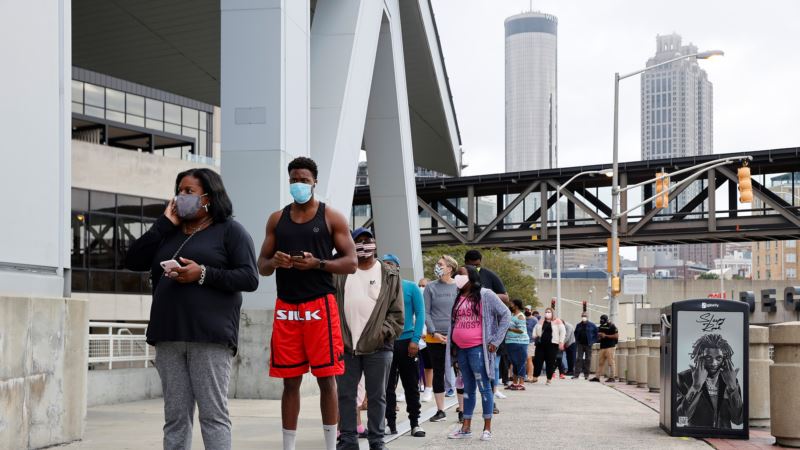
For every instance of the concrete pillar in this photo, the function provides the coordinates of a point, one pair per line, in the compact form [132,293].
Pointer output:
[653,364]
[264,87]
[784,394]
[622,360]
[641,362]
[630,362]
[595,359]
[759,371]
[390,159]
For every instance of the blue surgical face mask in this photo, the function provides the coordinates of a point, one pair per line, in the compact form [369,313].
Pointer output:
[301,192]
[188,205]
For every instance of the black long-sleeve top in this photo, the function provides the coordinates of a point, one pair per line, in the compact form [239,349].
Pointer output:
[189,311]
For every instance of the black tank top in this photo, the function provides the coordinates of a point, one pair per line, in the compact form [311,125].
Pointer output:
[297,286]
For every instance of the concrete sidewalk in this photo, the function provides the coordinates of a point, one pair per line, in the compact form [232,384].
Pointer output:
[568,414]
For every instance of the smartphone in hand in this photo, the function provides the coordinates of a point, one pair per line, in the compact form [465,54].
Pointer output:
[169,265]
[297,254]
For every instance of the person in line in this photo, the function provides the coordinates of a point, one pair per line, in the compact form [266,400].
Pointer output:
[306,333]
[478,326]
[585,337]
[517,341]
[609,335]
[439,297]
[371,313]
[565,361]
[530,323]
[404,363]
[551,334]
[426,367]
[197,300]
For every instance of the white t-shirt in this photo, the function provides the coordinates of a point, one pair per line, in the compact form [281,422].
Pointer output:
[361,292]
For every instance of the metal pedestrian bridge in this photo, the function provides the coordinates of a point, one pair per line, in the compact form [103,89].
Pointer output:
[516,210]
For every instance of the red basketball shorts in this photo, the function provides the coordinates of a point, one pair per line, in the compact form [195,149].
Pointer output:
[306,335]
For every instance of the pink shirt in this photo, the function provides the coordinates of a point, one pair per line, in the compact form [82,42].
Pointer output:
[467,328]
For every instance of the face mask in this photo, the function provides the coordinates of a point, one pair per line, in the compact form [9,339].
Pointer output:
[527,314]
[438,271]
[461,281]
[365,249]
[301,192]
[548,315]
[188,205]
[584,319]
[602,321]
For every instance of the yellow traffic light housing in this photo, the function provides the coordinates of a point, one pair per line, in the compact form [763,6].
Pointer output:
[615,290]
[609,257]
[662,190]
[745,185]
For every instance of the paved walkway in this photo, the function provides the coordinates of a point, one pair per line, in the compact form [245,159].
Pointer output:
[568,414]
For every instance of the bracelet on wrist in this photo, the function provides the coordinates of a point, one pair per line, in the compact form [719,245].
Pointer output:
[202,275]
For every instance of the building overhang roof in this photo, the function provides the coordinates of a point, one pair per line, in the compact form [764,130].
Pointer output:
[175,46]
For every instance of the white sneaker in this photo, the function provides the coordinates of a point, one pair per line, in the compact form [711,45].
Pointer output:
[458,434]
[427,396]
[500,395]
[486,435]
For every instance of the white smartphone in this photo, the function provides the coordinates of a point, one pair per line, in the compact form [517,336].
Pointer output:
[169,265]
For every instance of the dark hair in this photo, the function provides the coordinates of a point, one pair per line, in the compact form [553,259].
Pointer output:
[301,162]
[220,207]
[518,303]
[474,294]
[711,341]
[535,313]
[473,255]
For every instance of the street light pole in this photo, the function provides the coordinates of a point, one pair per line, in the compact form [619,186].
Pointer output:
[615,192]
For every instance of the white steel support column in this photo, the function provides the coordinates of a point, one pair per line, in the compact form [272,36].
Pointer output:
[390,162]
[343,42]
[265,122]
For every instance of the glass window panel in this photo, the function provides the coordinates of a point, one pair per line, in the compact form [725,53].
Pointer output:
[115,100]
[135,105]
[77,108]
[134,120]
[129,282]
[94,111]
[190,132]
[172,113]
[203,120]
[115,116]
[154,124]
[155,109]
[101,281]
[202,149]
[152,207]
[101,241]
[77,91]
[94,95]
[128,230]
[80,200]
[80,280]
[129,205]
[170,128]
[102,202]
[78,251]
[189,117]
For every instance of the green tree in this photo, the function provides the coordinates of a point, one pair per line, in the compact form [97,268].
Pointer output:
[708,276]
[512,272]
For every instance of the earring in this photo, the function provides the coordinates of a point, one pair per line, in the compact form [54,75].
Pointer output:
[206,207]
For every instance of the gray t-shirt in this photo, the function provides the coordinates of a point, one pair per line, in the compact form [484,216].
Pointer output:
[439,299]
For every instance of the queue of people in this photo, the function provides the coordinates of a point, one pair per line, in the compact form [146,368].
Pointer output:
[341,313]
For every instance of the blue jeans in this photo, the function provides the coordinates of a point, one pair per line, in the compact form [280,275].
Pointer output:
[474,373]
[518,354]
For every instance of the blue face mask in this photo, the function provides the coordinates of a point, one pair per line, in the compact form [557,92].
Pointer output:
[301,192]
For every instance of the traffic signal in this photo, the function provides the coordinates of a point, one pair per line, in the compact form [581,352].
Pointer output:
[609,255]
[553,303]
[745,185]
[615,290]
[662,186]
[583,305]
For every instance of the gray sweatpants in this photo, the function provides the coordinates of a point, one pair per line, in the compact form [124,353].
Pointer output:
[375,368]
[192,373]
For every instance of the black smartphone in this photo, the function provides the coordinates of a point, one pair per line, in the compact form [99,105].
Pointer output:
[297,254]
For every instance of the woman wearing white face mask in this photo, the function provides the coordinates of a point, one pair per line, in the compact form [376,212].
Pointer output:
[551,334]
[439,296]
[479,324]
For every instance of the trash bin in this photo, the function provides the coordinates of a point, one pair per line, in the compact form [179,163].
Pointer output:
[704,368]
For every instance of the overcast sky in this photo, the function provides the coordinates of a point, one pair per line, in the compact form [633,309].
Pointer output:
[756,83]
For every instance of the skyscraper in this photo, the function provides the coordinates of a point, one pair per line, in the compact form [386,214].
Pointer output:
[677,120]
[531,92]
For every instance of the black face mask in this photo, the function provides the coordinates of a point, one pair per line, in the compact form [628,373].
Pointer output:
[527,314]
[603,321]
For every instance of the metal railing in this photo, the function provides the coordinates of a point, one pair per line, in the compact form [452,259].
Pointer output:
[119,345]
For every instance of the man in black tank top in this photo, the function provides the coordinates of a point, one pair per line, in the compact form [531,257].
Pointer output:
[306,332]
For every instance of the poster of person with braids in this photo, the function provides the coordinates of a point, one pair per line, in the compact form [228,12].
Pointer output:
[709,354]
